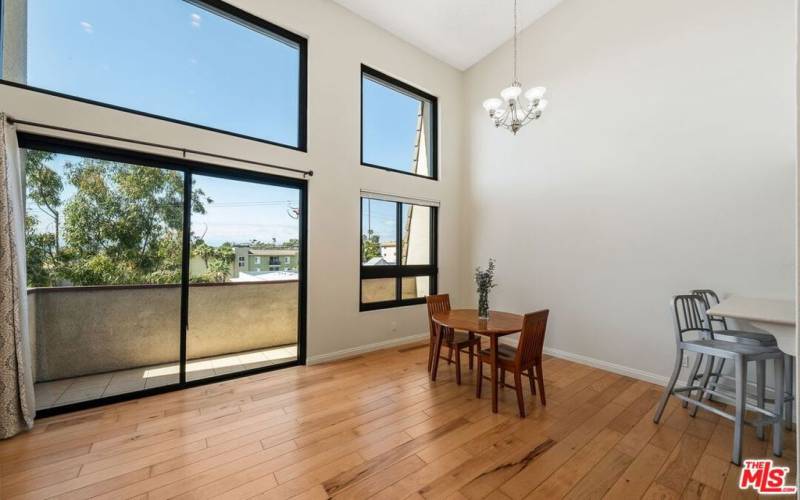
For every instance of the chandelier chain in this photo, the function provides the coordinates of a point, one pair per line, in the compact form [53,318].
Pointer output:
[516,81]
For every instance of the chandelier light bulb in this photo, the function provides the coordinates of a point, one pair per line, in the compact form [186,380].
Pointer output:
[542,105]
[492,104]
[510,93]
[535,93]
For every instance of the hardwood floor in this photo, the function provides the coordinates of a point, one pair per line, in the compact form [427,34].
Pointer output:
[374,426]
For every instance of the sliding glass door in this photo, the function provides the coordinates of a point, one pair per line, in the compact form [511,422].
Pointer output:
[146,272]
[103,245]
[244,276]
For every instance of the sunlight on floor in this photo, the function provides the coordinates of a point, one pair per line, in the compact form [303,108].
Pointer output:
[89,387]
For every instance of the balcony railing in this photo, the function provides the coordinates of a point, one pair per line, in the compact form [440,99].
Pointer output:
[97,329]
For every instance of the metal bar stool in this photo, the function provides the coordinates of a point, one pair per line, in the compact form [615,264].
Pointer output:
[690,317]
[710,298]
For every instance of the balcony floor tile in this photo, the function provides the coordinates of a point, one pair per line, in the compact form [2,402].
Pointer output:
[74,390]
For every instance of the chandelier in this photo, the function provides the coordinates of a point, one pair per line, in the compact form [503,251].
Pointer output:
[510,111]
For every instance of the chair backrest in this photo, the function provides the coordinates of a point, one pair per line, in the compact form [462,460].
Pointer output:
[531,340]
[436,303]
[711,299]
[690,316]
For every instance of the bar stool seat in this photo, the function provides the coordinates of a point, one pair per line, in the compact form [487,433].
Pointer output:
[730,350]
[745,337]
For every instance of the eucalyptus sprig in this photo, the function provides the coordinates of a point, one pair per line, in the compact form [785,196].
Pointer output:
[485,279]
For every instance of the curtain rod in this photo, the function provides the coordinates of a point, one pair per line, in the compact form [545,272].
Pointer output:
[12,121]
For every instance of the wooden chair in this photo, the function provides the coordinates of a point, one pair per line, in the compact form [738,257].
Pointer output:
[527,356]
[455,341]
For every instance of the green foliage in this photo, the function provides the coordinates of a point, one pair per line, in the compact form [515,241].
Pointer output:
[122,225]
[485,279]
[370,245]
[218,261]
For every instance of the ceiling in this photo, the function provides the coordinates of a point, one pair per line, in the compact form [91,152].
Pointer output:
[458,32]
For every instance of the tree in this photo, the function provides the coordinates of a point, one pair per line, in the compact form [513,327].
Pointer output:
[122,225]
[218,262]
[371,245]
[44,186]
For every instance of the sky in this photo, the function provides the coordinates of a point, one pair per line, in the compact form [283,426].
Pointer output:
[175,59]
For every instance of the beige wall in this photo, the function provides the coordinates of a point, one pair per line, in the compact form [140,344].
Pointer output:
[339,42]
[100,329]
[665,162]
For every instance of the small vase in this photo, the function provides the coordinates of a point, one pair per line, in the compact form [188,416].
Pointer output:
[483,304]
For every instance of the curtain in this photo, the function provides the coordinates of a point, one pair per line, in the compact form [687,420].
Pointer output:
[16,378]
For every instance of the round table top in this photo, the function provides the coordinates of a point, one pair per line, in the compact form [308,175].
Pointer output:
[467,320]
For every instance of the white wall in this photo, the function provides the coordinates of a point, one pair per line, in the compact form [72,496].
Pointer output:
[665,162]
[339,42]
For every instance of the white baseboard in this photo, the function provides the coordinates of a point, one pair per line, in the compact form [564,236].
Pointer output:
[355,351]
[611,367]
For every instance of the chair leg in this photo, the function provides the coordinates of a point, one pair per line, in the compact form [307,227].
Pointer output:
[480,379]
[518,388]
[670,385]
[471,338]
[780,394]
[761,375]
[693,375]
[450,355]
[502,377]
[458,366]
[532,380]
[741,398]
[703,383]
[788,385]
[430,353]
[540,381]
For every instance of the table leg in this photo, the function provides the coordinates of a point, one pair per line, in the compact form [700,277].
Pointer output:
[493,341]
[437,348]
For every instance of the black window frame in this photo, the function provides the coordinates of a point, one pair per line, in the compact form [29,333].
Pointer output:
[403,87]
[399,270]
[239,16]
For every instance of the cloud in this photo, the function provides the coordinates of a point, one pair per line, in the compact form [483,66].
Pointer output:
[196,19]
[87,27]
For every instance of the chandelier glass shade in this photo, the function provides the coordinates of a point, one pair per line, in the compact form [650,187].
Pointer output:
[513,110]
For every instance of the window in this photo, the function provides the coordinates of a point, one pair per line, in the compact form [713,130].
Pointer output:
[197,62]
[398,252]
[274,260]
[398,126]
[258,260]
[241,261]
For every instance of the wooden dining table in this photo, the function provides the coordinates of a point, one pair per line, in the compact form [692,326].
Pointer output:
[498,325]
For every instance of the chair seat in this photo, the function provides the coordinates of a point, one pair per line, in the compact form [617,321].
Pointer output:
[462,339]
[503,351]
[730,350]
[745,337]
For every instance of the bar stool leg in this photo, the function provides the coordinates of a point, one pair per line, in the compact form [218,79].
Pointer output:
[788,412]
[670,385]
[693,375]
[741,396]
[704,384]
[761,375]
[777,427]
[716,376]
